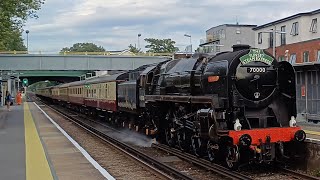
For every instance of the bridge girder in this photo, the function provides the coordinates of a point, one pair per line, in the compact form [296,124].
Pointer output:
[75,62]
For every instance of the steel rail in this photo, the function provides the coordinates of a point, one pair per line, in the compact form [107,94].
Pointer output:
[297,174]
[203,163]
[144,159]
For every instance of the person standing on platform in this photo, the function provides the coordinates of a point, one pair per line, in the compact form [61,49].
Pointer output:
[8,100]
[19,98]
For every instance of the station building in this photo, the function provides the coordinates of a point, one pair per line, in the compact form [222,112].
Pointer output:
[297,38]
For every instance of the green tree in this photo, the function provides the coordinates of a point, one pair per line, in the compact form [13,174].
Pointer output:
[83,47]
[13,15]
[11,41]
[133,49]
[161,45]
[16,12]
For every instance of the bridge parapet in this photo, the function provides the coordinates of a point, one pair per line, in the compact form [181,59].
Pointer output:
[107,53]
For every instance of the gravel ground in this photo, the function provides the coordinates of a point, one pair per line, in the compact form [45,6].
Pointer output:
[186,167]
[119,165]
[115,162]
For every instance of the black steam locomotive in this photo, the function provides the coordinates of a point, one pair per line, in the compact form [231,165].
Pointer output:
[236,106]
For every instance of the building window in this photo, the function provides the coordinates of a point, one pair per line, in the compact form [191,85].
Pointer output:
[217,49]
[281,58]
[271,39]
[306,56]
[295,29]
[238,31]
[260,38]
[283,35]
[313,27]
[223,34]
[293,58]
[318,59]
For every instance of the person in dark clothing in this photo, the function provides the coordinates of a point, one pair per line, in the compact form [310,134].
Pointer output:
[8,100]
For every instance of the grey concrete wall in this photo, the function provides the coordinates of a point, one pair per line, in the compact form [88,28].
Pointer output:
[308,158]
[313,157]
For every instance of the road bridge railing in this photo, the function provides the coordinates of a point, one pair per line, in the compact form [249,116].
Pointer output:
[106,53]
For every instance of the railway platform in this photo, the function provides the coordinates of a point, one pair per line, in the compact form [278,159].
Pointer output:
[34,147]
[312,130]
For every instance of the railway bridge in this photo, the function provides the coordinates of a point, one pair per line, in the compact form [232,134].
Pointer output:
[66,68]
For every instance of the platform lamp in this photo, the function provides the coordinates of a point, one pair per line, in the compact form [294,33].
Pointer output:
[189,36]
[139,35]
[27,32]
[274,31]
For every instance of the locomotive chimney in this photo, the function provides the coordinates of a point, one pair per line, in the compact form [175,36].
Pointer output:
[238,47]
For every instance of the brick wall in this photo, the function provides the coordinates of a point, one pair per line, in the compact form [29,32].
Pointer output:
[298,48]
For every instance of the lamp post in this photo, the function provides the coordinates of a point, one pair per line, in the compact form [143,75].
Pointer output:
[189,36]
[274,31]
[139,35]
[27,32]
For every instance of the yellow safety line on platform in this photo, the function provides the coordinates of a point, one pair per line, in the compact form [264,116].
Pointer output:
[37,166]
[312,132]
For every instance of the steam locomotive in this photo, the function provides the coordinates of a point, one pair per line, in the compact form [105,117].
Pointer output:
[236,106]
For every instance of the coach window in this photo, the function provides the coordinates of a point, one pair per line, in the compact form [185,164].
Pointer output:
[318,57]
[106,95]
[306,56]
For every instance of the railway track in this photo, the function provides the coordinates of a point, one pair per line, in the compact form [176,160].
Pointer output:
[160,167]
[296,174]
[147,161]
[203,163]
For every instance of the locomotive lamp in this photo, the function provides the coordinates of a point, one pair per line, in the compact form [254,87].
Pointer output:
[292,122]
[237,126]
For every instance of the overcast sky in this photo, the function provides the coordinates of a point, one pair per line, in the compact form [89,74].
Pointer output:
[114,24]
